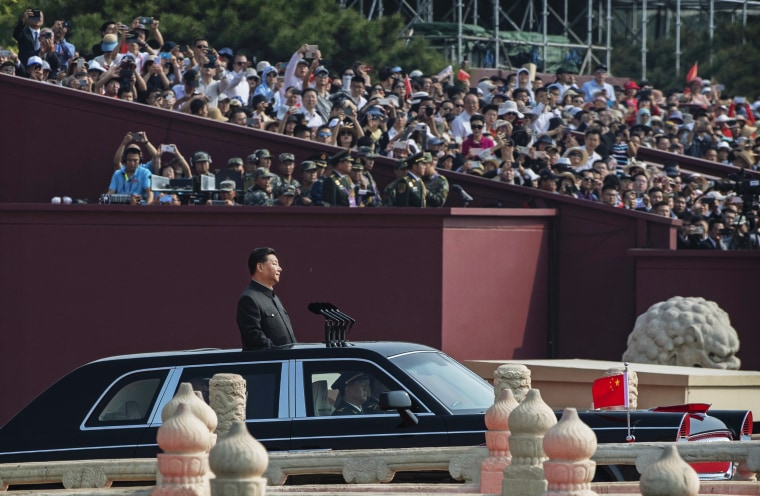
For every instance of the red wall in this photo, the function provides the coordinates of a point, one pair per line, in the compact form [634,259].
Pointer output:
[85,282]
[547,276]
[728,278]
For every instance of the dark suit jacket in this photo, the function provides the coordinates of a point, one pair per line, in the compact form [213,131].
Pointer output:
[262,320]
[25,39]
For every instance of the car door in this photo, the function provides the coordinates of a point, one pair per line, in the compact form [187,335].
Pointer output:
[266,408]
[122,415]
[318,425]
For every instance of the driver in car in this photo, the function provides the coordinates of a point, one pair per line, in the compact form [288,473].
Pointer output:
[354,397]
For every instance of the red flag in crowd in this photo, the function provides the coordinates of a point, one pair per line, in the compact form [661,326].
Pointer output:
[692,72]
[463,76]
[610,391]
[408,86]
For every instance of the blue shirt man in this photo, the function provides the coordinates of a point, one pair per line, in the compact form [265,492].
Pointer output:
[131,179]
[594,86]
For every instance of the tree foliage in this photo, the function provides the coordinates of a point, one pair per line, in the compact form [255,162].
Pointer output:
[265,29]
[717,61]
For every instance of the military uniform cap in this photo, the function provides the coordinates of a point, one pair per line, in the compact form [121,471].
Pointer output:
[342,156]
[263,153]
[366,151]
[261,172]
[414,159]
[308,165]
[357,166]
[347,378]
[427,157]
[287,190]
[320,159]
[284,157]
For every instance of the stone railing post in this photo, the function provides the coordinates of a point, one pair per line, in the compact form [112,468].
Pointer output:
[183,465]
[238,461]
[497,440]
[569,446]
[528,423]
[227,395]
[200,409]
[669,476]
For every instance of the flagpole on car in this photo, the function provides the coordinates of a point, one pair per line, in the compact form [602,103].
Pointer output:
[630,438]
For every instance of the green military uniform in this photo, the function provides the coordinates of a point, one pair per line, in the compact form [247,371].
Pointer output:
[255,196]
[437,189]
[408,190]
[337,188]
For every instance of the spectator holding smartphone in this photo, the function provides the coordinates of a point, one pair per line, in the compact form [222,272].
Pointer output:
[136,139]
[27,34]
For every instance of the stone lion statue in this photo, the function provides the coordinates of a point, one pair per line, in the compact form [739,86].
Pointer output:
[512,376]
[685,331]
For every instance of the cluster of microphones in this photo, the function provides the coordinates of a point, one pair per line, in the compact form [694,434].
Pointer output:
[337,323]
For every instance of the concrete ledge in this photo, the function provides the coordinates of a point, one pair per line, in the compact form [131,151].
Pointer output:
[567,383]
[357,467]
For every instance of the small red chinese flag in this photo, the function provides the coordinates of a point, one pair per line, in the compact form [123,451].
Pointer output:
[610,391]
[462,75]
[692,72]
[408,86]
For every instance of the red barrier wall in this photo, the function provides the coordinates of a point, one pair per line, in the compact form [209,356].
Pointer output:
[84,282]
[727,278]
[548,276]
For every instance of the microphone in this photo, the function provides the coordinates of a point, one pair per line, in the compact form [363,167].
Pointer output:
[462,193]
[320,309]
[346,317]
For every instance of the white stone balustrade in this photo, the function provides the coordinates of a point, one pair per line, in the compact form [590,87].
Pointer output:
[528,424]
[497,440]
[669,476]
[183,465]
[569,444]
[238,462]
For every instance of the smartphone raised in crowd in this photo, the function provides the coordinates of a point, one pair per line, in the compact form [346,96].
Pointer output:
[311,51]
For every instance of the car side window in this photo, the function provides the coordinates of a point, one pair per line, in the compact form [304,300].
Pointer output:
[330,385]
[129,401]
[262,383]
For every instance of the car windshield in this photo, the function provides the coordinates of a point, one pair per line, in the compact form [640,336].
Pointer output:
[455,386]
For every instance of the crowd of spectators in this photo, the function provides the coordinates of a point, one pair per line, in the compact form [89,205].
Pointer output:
[577,140]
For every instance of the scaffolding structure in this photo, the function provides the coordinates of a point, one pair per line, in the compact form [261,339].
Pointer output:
[582,28]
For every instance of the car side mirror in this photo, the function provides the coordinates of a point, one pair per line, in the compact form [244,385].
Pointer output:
[402,403]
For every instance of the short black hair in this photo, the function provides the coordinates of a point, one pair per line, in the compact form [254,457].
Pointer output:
[257,256]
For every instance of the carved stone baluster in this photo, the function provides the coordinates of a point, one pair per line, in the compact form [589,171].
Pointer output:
[569,446]
[528,423]
[183,465]
[238,461]
[497,440]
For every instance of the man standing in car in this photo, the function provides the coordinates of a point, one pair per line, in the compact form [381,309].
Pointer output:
[261,318]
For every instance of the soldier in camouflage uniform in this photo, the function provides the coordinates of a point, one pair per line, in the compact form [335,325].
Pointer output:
[260,194]
[409,190]
[354,398]
[287,166]
[309,174]
[437,185]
